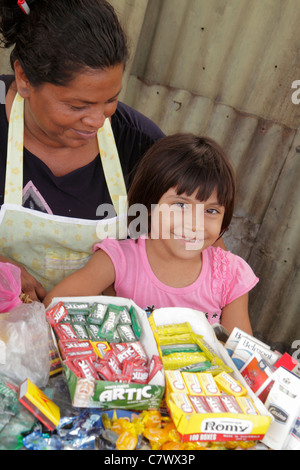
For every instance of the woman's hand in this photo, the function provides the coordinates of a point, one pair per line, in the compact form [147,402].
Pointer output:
[29,284]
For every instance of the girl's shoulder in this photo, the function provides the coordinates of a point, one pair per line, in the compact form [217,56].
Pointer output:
[219,263]
[224,257]
[218,255]
[229,272]
[226,266]
[116,243]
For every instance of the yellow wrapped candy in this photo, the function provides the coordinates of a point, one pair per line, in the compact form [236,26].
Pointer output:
[210,354]
[178,360]
[106,421]
[174,329]
[126,441]
[159,436]
[151,418]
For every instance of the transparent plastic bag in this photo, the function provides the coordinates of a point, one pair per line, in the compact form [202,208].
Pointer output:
[10,286]
[24,333]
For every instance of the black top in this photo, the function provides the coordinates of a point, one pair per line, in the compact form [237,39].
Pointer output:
[79,193]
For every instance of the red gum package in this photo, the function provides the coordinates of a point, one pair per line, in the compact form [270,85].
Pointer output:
[71,348]
[112,361]
[56,314]
[104,372]
[86,368]
[215,404]
[155,366]
[140,375]
[65,332]
[130,369]
[230,404]
[125,362]
[128,353]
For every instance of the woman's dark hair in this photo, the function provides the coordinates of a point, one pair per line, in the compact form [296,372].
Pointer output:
[60,38]
[188,163]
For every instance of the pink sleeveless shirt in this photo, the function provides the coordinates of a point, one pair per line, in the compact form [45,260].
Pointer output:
[223,278]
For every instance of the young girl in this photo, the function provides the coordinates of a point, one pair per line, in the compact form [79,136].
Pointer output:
[186,186]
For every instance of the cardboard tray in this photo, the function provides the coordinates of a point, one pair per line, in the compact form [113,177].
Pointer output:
[107,395]
[212,426]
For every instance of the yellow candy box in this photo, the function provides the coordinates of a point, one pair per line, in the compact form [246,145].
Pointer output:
[230,386]
[249,420]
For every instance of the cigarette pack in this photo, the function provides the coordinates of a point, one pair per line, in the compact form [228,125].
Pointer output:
[258,376]
[283,403]
[235,337]
[287,361]
[39,404]
[248,347]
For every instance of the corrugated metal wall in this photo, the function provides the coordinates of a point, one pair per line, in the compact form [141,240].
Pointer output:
[224,68]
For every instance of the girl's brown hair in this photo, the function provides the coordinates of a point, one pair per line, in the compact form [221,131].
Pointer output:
[188,163]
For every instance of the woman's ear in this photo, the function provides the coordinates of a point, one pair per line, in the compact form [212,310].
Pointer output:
[23,85]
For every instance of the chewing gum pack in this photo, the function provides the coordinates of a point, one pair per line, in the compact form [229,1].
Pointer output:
[175,382]
[108,352]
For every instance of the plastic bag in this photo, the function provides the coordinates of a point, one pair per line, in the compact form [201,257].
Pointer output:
[10,286]
[25,334]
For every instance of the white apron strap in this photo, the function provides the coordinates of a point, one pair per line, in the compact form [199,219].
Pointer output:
[112,168]
[14,166]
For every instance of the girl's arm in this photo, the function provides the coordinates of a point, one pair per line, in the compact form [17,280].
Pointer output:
[236,314]
[92,279]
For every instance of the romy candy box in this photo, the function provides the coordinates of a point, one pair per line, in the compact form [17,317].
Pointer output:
[213,403]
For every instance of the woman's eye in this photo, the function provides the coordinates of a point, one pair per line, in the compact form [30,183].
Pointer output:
[113,100]
[77,108]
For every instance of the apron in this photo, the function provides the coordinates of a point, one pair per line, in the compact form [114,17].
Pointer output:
[49,246]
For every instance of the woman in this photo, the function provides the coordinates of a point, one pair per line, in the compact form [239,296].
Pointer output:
[67,146]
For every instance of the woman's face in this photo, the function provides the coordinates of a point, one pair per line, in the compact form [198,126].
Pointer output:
[70,116]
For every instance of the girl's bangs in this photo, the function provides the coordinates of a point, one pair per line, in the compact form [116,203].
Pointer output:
[203,182]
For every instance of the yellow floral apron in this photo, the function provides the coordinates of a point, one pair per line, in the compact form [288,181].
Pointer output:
[49,246]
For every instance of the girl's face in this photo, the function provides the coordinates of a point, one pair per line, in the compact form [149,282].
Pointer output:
[69,116]
[184,224]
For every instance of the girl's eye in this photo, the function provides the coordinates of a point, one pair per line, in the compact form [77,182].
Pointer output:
[182,205]
[212,211]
